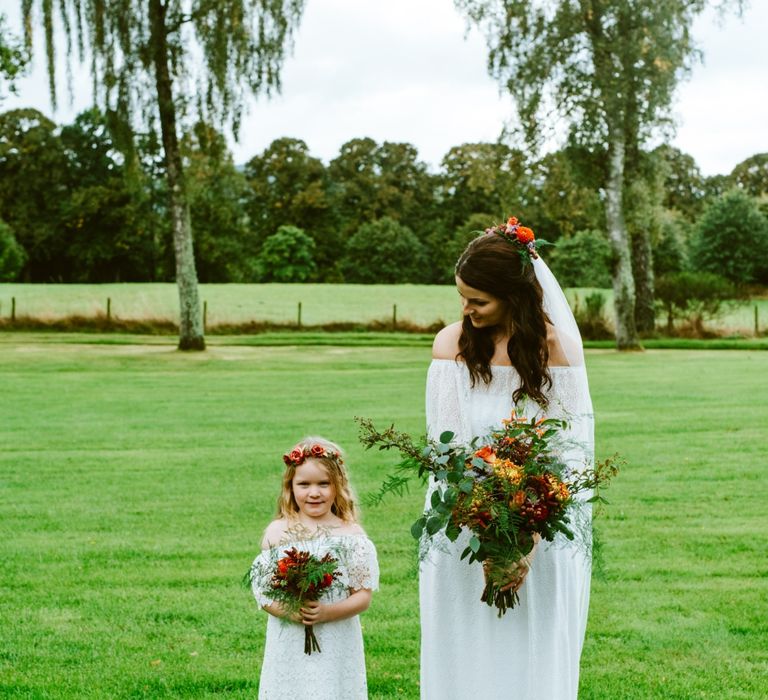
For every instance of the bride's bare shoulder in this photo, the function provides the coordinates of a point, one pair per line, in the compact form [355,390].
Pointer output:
[446,345]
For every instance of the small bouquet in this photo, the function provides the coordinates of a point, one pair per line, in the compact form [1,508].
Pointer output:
[299,577]
[508,489]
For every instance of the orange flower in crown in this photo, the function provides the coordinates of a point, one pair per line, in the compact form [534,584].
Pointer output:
[521,237]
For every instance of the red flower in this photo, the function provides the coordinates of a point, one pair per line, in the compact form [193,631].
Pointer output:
[295,456]
[327,580]
[317,451]
[512,221]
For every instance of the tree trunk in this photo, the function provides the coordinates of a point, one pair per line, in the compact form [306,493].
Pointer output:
[642,271]
[190,313]
[623,282]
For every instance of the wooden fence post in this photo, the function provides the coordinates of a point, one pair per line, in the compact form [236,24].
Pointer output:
[298,319]
[109,309]
[205,315]
[13,308]
[394,317]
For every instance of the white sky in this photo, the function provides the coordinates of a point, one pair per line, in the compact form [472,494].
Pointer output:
[406,70]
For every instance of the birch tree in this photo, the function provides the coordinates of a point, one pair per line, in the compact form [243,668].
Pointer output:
[170,62]
[608,70]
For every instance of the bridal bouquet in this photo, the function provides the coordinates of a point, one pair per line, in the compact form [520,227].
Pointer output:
[508,489]
[296,578]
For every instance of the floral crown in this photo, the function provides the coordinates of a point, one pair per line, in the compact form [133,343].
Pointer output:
[298,455]
[520,236]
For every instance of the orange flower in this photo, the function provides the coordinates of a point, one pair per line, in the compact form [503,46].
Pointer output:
[486,454]
[512,221]
[524,234]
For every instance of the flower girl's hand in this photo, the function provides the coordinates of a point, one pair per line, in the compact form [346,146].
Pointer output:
[313,612]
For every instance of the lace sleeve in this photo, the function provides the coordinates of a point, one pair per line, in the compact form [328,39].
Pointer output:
[261,576]
[363,565]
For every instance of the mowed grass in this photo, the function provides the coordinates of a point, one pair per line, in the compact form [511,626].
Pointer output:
[135,482]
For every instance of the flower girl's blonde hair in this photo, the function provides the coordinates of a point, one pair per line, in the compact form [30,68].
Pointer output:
[329,455]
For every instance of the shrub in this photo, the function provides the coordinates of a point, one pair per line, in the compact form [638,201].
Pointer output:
[384,252]
[286,256]
[694,297]
[12,255]
[731,239]
[583,260]
[591,318]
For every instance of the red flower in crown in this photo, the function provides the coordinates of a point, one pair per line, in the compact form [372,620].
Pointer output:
[317,451]
[295,456]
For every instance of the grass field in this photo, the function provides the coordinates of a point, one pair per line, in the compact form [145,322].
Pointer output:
[422,305]
[135,482]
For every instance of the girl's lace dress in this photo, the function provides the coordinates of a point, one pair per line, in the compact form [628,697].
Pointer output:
[337,672]
[533,651]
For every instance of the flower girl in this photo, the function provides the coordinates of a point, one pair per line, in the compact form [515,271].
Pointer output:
[314,576]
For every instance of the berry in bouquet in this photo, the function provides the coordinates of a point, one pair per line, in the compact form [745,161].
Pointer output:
[509,489]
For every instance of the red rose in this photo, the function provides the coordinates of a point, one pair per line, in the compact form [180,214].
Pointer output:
[296,456]
[317,451]
[327,580]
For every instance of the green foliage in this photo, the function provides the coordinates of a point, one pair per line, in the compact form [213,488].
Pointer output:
[731,239]
[12,255]
[224,242]
[286,256]
[751,175]
[13,59]
[583,260]
[693,296]
[670,249]
[288,186]
[373,181]
[383,251]
[683,184]
[34,183]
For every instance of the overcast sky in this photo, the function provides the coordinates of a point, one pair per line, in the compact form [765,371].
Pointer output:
[407,70]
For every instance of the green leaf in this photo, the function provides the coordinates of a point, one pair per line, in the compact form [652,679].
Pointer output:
[434,524]
[447,436]
[474,544]
[441,475]
[452,532]
[435,499]
[466,485]
[418,527]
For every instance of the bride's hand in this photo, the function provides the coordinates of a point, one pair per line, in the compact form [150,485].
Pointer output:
[522,567]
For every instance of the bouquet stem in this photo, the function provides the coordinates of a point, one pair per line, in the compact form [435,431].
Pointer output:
[310,640]
[502,600]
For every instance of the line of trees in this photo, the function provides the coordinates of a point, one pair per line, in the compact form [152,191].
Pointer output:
[76,210]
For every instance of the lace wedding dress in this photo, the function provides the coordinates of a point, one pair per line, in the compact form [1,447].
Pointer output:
[532,653]
[337,672]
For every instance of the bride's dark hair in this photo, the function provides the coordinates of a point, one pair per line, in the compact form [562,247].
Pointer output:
[494,266]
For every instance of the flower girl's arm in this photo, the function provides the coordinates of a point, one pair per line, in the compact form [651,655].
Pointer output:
[278,610]
[315,612]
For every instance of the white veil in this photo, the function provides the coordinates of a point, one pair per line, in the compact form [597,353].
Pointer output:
[560,314]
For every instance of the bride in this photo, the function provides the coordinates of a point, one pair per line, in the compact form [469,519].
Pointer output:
[517,346]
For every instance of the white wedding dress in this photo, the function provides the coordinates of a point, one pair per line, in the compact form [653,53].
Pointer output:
[337,672]
[532,653]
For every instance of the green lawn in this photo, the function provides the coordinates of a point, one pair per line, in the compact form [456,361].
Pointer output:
[135,482]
